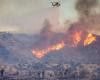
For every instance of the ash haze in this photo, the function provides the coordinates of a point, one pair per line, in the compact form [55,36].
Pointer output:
[27,16]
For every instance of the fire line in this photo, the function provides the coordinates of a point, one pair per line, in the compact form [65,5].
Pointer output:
[76,38]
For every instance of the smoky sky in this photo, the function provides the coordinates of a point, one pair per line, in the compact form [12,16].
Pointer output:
[84,6]
[23,15]
[20,7]
[27,16]
[89,13]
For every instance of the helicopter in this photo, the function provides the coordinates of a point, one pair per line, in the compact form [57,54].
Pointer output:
[55,4]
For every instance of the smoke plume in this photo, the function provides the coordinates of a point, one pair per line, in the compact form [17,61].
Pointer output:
[84,7]
[89,12]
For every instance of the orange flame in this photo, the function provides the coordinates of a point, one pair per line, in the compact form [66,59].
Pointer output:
[43,52]
[76,38]
[90,38]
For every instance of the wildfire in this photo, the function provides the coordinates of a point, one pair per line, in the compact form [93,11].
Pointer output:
[90,38]
[43,52]
[76,38]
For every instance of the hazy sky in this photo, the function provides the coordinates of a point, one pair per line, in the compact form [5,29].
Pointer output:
[27,16]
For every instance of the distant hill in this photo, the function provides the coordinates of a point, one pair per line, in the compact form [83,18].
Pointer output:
[78,54]
[17,48]
[13,49]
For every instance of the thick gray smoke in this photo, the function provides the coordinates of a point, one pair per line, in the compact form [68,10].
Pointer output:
[84,7]
[89,12]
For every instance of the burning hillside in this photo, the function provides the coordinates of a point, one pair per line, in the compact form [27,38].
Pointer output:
[76,38]
[73,45]
[43,52]
[77,46]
